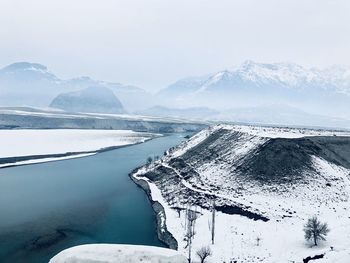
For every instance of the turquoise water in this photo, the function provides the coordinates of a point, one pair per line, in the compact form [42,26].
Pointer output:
[47,207]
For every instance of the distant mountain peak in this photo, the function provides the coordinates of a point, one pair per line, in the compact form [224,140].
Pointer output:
[251,83]
[25,66]
[225,74]
[92,99]
[284,72]
[25,71]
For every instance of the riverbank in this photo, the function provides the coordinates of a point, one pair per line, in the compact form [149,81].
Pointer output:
[162,232]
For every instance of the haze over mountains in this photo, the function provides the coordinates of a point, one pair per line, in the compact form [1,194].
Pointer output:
[278,93]
[32,84]
[255,84]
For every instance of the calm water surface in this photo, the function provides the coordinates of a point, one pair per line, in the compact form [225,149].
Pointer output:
[47,207]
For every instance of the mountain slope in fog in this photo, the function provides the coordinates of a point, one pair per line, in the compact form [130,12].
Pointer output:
[92,99]
[322,91]
[32,84]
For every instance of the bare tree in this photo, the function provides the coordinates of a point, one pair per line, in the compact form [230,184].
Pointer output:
[149,160]
[258,239]
[213,222]
[191,219]
[189,236]
[315,230]
[203,253]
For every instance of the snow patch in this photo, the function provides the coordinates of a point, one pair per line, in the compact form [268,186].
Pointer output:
[113,253]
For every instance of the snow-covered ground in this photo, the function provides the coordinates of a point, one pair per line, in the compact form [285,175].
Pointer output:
[110,253]
[281,239]
[73,142]
[282,132]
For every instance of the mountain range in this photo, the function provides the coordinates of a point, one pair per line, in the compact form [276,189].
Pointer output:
[32,84]
[319,91]
[276,93]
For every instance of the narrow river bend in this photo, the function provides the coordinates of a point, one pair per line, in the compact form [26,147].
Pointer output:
[45,208]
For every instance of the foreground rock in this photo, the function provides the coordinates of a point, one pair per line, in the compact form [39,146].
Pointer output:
[112,253]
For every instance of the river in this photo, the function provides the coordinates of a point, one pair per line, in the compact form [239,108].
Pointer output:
[47,207]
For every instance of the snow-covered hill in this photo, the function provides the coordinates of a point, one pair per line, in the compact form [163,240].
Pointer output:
[266,182]
[322,91]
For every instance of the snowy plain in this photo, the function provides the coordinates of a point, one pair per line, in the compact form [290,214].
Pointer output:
[38,145]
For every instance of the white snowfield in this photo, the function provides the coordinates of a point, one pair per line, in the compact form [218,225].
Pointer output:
[22,143]
[282,132]
[112,253]
[281,239]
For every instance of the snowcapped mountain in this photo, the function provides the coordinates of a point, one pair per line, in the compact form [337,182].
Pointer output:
[92,99]
[287,74]
[321,96]
[265,181]
[32,84]
[322,91]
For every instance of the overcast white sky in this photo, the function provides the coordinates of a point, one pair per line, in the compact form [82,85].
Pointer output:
[152,43]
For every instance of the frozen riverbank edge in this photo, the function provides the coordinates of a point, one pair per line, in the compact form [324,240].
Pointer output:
[162,232]
[7,162]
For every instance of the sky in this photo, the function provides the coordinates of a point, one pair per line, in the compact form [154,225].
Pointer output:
[152,43]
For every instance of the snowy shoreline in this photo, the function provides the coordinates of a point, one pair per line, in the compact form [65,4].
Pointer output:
[162,232]
[27,160]
[24,147]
